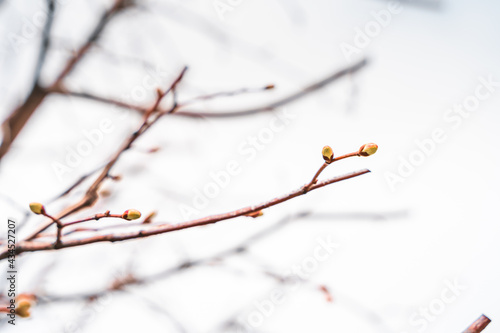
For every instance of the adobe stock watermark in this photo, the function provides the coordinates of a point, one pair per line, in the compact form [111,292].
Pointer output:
[31,27]
[95,137]
[372,29]
[247,150]
[85,147]
[425,315]
[87,314]
[222,7]
[294,279]
[453,117]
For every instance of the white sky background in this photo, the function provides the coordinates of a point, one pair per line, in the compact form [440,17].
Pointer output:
[439,224]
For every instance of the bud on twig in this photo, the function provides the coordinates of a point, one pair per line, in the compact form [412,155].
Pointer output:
[23,307]
[327,154]
[131,214]
[367,149]
[255,214]
[37,208]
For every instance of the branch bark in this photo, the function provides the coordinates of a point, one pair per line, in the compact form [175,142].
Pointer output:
[91,195]
[220,114]
[286,100]
[16,121]
[479,325]
[27,246]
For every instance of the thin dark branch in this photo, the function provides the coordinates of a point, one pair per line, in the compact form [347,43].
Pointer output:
[15,122]
[281,102]
[45,40]
[198,114]
[91,195]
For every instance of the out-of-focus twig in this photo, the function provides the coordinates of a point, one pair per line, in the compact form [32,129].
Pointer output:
[15,122]
[283,101]
[45,40]
[91,195]
[218,114]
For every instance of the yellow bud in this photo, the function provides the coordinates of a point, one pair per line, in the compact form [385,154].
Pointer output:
[37,208]
[368,149]
[255,214]
[327,154]
[131,214]
[24,303]
[23,309]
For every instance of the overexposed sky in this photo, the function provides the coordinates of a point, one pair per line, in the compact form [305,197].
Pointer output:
[436,225]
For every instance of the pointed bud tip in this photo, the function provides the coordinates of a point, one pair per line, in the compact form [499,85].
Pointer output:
[131,214]
[327,154]
[37,208]
[368,149]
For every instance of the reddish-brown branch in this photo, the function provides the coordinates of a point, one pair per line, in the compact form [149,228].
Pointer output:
[323,167]
[286,100]
[59,228]
[197,114]
[27,246]
[70,65]
[314,180]
[106,100]
[15,122]
[91,195]
[226,94]
[96,217]
[479,325]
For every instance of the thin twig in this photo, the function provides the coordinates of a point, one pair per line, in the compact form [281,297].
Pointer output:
[226,94]
[15,122]
[96,217]
[94,35]
[91,195]
[243,246]
[286,100]
[323,167]
[197,114]
[45,40]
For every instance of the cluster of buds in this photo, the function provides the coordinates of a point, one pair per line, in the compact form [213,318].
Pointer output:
[37,208]
[131,214]
[365,150]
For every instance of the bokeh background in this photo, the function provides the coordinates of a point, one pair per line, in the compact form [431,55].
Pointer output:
[422,220]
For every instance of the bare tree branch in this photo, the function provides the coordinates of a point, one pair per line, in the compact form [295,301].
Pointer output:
[15,122]
[286,100]
[27,246]
[221,114]
[91,196]
[479,325]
